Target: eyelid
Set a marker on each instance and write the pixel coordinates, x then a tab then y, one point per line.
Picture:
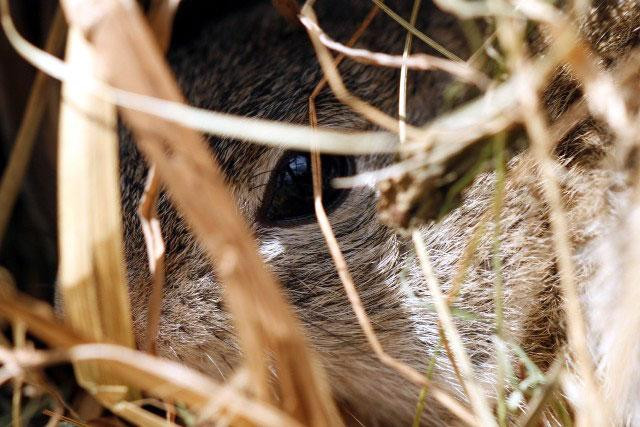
331	169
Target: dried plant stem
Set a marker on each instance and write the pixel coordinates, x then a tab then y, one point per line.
91	268
410	27
16	167
19	337
537	405
478	401
154	242
161	18
496	261
418	61
332	75
536	127
260	131
341	265
160	377
264	322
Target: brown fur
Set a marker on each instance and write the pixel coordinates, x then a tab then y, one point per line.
253	63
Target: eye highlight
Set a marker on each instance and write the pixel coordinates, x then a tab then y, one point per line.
289	195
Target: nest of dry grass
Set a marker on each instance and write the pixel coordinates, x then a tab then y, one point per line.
96	336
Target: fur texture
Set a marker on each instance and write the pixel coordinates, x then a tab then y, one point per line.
253	63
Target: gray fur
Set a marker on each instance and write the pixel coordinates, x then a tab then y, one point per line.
252	63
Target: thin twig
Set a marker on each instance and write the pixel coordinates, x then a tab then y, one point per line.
154	243
267	132
342	268
478	401
16	167
537	129
340	91
417	61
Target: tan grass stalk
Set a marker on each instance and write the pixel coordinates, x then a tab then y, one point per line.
332	75
154	243
540	138
91	267
161	18
160	377
477	398
16	167
422	62
341	266
260	131
602	95
410	27
544	394
264	321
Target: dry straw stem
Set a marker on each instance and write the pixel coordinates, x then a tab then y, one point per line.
264	321
91	266
477	398
260	131
356	303
422	62
332	75
469	386
159	377
23	145
341	265
603	97
161	19
147	212
451	133
539	135
537	405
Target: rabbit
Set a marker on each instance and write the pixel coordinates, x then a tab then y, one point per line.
250	61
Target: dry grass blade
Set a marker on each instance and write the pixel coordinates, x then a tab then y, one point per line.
418	61
332	75
544	394
341	265
183	162
160	377
352	293
161	18
260	131
410	27
91	267
476	396
540	138
603	98
21	152
154	242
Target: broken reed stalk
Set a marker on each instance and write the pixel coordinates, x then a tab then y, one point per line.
341	266
536	127
340	91
475	393
160	377
161	19
151	229
16	167
91	266
421	62
260	131
264	321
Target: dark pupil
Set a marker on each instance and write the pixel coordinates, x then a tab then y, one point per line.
289	194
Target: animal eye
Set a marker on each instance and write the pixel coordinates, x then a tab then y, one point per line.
289	194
